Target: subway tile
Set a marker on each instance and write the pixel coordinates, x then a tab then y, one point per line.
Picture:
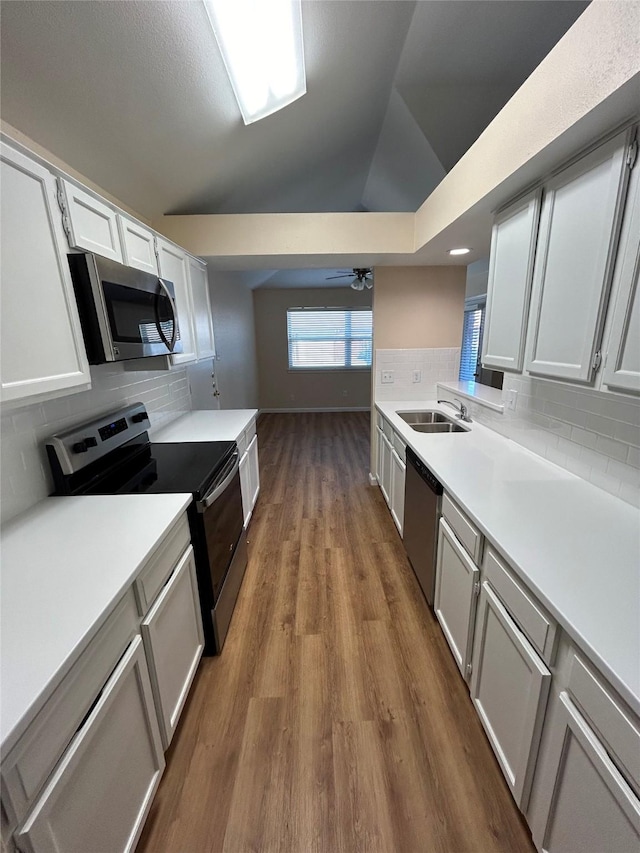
633	457
624	473
584	437
554	455
597	461
578	467
569	448
629	433
614	449
605	481
601	425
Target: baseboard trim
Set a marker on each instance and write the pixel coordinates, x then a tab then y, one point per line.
327	409
373	480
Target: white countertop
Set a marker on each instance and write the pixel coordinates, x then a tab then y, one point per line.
65	563
575	546
207	425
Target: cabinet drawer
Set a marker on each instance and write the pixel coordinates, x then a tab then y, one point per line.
173	640
249	432
161	564
387	429
615	726
539	628
400	447
466	532
29	763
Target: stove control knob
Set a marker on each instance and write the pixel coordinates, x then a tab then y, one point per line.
90	441
139	417
80	447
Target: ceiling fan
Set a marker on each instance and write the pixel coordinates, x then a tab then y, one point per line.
362	277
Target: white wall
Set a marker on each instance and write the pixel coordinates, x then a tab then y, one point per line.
435	364
234	329
283	389
593	434
26	478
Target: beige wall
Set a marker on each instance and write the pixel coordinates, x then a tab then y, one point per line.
233	326
280	388
418	307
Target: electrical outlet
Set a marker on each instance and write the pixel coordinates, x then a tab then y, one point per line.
417	376
387	377
512	397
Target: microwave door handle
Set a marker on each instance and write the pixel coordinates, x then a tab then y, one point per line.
169	344
221	483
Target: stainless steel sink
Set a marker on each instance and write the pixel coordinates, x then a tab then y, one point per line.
430	421
449	427
428	417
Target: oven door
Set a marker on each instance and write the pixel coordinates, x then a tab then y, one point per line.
222	521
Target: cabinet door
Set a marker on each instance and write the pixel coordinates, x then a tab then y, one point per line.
379	456
245	487
91	225
397	490
99	795
254	471
581	803
579	225
622	367
42	349
385	484
202	319
172	262
138	245
173	640
509	687
456	595
513	244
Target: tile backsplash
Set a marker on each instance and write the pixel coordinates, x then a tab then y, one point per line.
25	468
440	364
593	434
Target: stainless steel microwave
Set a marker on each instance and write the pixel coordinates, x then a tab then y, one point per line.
125	313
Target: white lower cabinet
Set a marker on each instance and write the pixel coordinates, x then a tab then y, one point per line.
581	803
249	476
457	584
174	641
509	688
385	457
98	797
398	469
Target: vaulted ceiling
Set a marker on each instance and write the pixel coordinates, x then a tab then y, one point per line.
135	96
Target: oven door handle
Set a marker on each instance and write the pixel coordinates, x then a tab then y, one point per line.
221	483
169	344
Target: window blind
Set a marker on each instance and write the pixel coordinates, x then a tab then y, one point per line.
329	338
471	338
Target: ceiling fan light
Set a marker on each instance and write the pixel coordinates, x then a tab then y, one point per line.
263	52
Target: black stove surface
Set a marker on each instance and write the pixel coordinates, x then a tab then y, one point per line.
163	469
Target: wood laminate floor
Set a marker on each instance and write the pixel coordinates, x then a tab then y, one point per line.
335	718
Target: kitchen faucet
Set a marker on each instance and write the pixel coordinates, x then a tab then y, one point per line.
463	411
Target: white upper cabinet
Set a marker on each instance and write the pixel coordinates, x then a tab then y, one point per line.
41	339
622	367
513	244
202	320
91	225
172	262
579	226
138	245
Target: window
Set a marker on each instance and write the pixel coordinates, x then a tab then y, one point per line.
471	369
329	338
471	343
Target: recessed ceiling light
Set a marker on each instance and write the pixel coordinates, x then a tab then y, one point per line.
261	44
459	251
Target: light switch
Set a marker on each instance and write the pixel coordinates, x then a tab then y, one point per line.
387	377
417	376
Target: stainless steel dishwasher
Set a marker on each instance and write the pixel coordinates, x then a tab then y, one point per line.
422	496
